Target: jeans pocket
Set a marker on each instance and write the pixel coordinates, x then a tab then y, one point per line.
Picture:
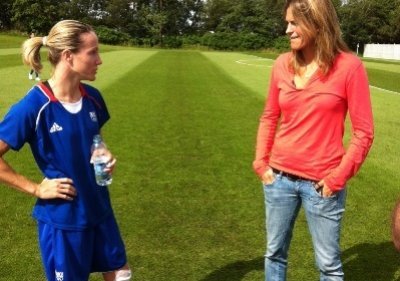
317	194
267	184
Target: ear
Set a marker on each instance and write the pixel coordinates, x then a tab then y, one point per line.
67	56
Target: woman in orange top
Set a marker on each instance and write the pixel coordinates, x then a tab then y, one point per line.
300	156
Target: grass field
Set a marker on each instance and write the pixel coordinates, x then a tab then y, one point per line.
189	206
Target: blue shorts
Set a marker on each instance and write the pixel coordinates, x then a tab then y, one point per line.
73	255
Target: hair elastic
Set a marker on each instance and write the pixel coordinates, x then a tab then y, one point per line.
44	40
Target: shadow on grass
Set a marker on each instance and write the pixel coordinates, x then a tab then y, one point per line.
235	271
378	262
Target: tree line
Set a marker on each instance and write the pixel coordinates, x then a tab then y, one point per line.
219	24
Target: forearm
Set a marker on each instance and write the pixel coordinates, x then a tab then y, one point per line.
263	148
266	133
360	111
15	180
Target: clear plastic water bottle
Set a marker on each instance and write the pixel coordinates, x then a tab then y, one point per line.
103	177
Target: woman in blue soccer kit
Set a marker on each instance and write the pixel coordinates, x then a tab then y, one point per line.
58	118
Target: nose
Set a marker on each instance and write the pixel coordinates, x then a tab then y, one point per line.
99	61
289	28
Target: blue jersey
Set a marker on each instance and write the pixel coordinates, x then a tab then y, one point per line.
61	145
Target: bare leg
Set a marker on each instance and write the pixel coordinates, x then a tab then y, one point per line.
396	225
109	276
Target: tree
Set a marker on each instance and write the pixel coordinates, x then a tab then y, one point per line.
193	22
370	21
395	22
35	15
5	14
215	10
249	16
154	21
255	22
119	14
89	11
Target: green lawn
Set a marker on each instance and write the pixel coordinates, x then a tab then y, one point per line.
189	206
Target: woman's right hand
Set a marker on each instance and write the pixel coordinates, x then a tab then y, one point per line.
56	188
268	177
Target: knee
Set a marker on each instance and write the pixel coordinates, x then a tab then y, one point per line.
123	275
396	226
396	239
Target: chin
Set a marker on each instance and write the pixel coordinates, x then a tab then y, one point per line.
90	78
296	47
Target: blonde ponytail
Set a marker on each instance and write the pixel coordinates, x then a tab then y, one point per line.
31	53
64	35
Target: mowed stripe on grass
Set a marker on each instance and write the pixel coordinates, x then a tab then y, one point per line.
183	132
190	208
185	176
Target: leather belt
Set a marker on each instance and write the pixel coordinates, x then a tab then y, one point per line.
291	176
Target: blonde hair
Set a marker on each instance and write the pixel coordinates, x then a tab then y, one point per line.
64	35
320	23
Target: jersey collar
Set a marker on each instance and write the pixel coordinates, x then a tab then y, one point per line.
46	89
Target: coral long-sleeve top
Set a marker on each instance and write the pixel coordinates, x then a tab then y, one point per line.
301	130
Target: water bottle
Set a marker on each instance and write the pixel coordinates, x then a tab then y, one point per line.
103	177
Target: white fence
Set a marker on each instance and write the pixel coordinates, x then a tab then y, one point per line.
382	51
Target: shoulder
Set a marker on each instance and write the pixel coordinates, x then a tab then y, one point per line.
348	67
90	90
283	58
91	93
21	120
282	64
94	95
349	59
34	100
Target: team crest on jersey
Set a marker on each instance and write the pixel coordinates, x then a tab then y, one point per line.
59	275
93	116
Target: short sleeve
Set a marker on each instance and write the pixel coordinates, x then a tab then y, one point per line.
100	105
18	125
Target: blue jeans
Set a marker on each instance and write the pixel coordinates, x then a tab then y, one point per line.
283	199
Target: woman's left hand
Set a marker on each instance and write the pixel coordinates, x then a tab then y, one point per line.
110	159
323	189
111	162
